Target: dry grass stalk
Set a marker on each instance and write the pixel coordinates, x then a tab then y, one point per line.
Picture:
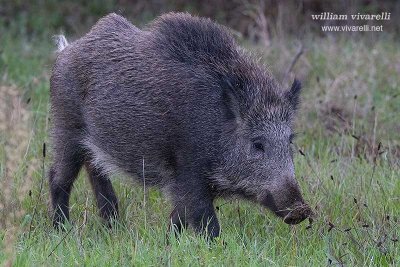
16	132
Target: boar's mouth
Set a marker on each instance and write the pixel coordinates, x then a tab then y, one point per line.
297	213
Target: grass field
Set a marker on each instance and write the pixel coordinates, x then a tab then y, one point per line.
348	169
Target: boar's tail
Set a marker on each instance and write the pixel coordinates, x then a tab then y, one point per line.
61	42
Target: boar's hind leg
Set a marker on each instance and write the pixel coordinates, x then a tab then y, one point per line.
106	199
68	160
194	206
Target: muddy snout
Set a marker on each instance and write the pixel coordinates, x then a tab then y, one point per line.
297	213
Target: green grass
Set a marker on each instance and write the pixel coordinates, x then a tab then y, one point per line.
356	197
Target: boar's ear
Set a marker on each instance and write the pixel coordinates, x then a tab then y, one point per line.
293	94
230	97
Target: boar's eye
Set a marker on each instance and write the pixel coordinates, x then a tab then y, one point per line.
258	146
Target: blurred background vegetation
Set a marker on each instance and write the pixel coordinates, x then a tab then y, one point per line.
348	143
257	20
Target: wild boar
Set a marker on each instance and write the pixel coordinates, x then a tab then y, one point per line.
177	105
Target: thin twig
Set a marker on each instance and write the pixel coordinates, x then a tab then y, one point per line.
62	239
40	190
84	221
238	211
294	61
144	195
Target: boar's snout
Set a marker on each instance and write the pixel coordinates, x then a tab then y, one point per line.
291	214
288	203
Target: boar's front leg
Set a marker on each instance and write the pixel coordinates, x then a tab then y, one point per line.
193	204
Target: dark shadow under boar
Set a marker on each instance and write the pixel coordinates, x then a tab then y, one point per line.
179	106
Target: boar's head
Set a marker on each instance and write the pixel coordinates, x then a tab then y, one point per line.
257	143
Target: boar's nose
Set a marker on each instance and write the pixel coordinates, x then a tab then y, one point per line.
298	213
